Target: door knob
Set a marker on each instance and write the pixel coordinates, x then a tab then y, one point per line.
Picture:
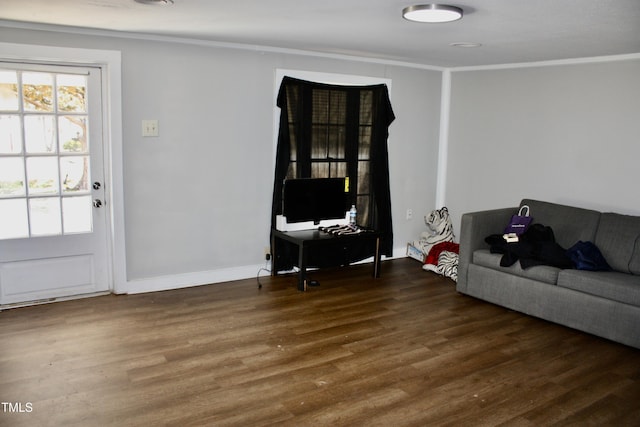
97	203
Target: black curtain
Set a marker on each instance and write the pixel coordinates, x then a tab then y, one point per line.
337	131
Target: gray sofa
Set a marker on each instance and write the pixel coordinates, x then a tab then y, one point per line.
603	303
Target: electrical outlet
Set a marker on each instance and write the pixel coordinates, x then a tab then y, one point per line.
267	253
409	214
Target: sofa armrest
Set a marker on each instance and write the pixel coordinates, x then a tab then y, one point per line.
475	227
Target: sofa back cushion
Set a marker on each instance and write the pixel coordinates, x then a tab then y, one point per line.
618	238
570	224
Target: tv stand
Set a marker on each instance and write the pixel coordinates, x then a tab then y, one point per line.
307	240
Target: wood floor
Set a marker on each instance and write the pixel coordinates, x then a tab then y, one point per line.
402	350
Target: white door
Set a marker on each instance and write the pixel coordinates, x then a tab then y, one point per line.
53	215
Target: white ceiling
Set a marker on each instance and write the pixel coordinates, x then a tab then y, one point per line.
510	31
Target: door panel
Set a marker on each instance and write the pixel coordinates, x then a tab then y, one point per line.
47	278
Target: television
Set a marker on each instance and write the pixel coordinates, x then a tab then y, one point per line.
314	199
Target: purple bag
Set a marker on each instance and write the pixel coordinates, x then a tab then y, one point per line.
519	223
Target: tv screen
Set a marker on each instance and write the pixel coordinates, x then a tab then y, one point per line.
314	199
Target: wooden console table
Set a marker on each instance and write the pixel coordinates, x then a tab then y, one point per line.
308	239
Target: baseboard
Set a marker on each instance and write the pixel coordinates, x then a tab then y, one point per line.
186	280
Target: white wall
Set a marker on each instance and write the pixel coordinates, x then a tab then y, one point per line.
562	133
197	199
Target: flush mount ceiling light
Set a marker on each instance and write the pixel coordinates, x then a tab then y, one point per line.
158	2
465	44
432	13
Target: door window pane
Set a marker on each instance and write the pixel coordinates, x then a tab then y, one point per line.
37	91
44	216
42	174
11	177
72	91
76	214
14	222
39	134
74	174
8	90
10	134
73	131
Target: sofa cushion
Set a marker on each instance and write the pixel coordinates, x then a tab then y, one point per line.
542	273
570	224
612	285
618	238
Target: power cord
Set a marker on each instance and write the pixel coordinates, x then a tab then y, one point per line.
265	268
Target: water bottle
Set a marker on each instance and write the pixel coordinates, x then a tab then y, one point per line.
352	215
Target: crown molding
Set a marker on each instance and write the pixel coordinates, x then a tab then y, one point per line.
551	63
209	43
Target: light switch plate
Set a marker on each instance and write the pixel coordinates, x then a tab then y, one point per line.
150	128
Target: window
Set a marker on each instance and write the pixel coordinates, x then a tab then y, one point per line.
44	152
338	131
336	147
